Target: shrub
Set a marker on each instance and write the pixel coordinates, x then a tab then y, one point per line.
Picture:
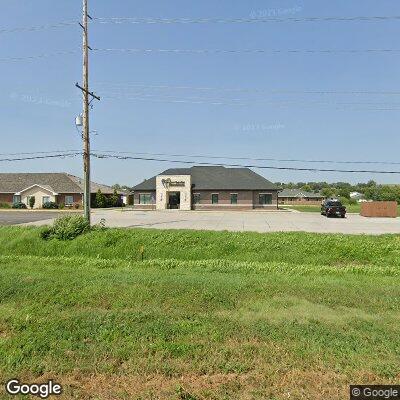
101	200
32	201
50	206
19	205
5	205
115	200
66	228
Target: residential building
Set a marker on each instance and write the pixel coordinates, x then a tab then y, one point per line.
60	188
298	196
206	188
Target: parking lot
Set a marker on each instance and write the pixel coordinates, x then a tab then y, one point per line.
23	217
257	221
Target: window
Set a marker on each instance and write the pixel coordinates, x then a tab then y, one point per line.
145	198
16	199
214	198
265	198
234	198
45	200
196	198
69	200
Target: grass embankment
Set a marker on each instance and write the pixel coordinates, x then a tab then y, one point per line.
352	208
220	315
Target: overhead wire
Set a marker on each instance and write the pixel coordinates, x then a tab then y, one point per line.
119	157
138	20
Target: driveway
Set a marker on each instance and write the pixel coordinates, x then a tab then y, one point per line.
257	221
23	217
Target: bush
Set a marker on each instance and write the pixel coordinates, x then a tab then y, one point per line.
5	205
50	206
32	201
101	200
66	228
19	205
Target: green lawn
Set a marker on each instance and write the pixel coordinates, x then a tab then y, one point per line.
206	315
352	208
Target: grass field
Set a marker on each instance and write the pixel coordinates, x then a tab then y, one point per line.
352	208
205	315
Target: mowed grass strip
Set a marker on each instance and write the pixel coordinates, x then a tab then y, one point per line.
216	326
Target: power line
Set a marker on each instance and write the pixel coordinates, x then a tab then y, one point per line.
241	165
38	56
71	153
250	158
204	51
246	51
38	152
136	20
256	101
41	157
55	25
248	90
212	102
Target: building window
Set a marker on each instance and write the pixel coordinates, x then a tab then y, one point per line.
234	198
196	198
145	198
265	198
16	199
69	200
214	198
45	200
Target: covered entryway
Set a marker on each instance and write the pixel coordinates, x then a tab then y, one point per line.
174	200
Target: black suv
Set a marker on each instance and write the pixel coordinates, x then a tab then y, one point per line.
333	208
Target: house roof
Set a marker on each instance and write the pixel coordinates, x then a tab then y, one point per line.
55	182
298	193
215	178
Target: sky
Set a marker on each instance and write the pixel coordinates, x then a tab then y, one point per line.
252	105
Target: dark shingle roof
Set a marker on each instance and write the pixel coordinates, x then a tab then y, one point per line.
215	178
56	182
298	193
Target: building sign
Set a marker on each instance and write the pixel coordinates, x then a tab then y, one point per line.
167	183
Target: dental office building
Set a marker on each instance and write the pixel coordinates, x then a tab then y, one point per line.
206	188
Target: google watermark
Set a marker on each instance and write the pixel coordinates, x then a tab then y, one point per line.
275	12
40	100
374	392
259	127
42	390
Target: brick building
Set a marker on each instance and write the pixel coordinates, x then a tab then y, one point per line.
206	188
60	188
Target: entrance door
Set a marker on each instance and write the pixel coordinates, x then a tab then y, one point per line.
174	200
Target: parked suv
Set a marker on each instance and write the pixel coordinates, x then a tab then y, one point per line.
333	208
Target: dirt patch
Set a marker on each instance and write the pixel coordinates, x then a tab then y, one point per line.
279	385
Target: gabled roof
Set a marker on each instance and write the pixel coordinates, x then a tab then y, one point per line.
45	187
55	182
298	193
215	178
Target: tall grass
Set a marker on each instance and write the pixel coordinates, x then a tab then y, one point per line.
292	248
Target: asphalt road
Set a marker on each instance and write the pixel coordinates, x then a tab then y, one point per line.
24	217
257	221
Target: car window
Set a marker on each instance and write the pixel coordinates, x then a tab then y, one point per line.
334	204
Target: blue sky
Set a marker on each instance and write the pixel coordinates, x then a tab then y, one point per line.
38	100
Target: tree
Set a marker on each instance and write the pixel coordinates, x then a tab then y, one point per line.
32	201
115	200
327	192
101	200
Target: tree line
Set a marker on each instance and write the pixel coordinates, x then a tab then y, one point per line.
370	190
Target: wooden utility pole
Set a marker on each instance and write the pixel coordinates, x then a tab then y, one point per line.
86	107
86	134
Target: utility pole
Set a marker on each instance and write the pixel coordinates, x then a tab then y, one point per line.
86	106
86	135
